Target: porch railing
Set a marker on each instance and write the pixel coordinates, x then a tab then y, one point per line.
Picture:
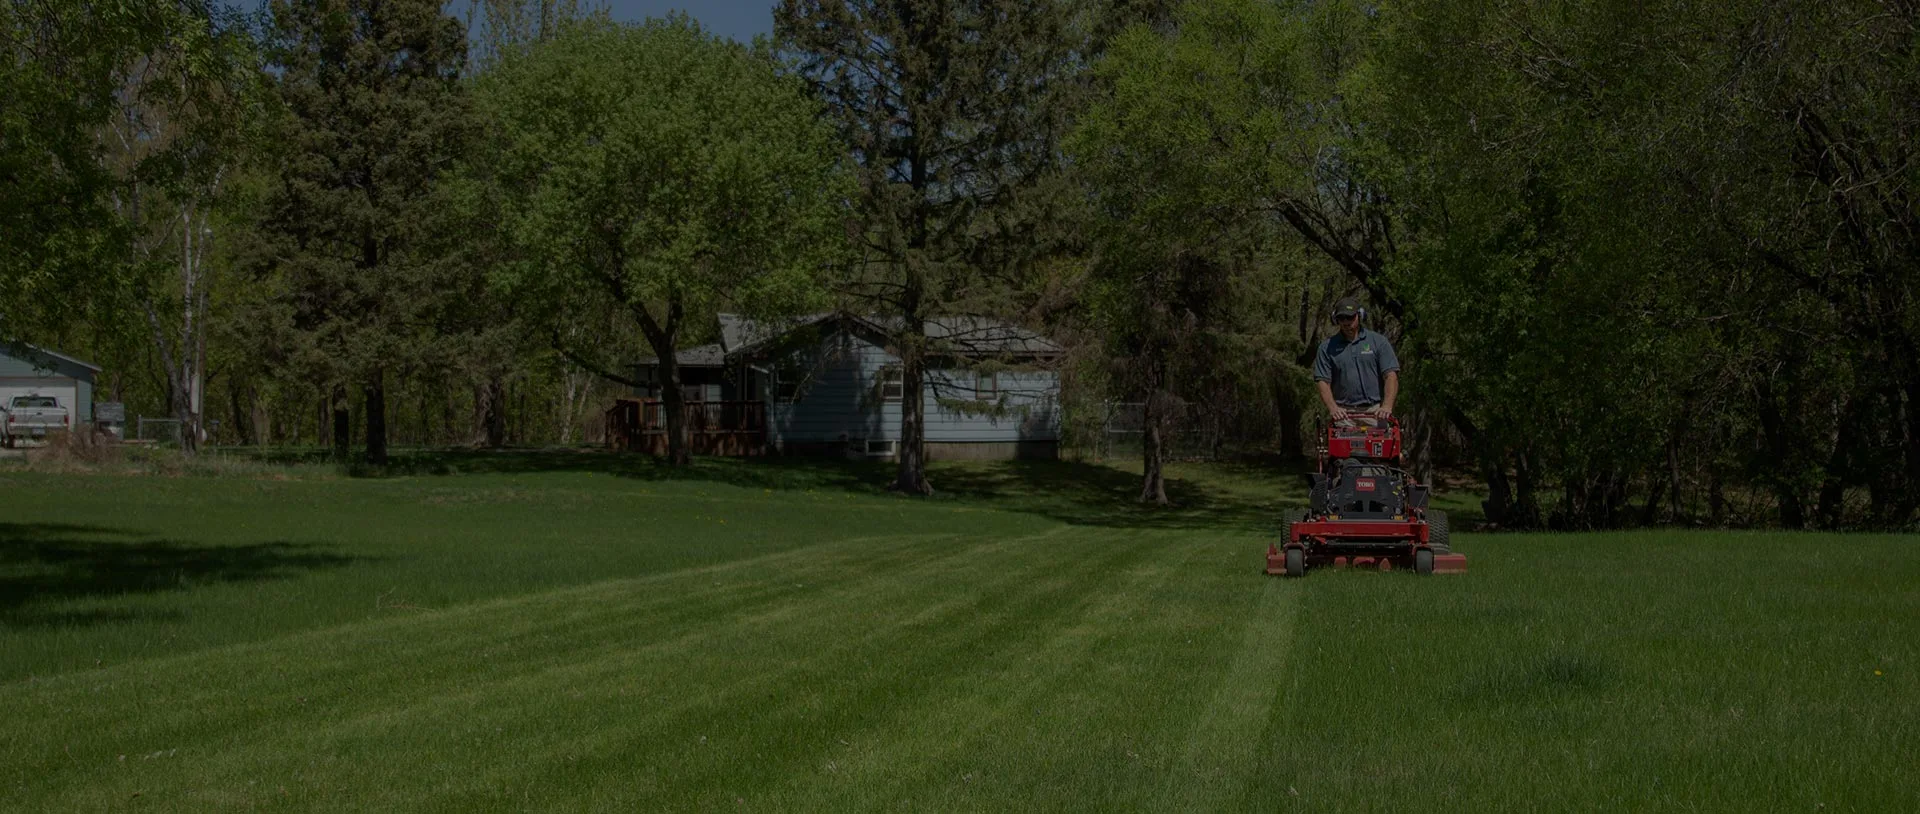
728	428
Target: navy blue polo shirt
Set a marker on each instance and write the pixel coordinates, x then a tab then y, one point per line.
1355	370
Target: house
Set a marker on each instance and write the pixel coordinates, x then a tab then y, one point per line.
29	371
828	383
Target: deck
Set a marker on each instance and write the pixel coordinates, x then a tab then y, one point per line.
721	428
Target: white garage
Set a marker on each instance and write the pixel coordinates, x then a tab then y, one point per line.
29	371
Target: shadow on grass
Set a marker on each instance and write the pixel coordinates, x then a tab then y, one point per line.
1240	495
1237	495
1539	678
1095	494
41	563
767	473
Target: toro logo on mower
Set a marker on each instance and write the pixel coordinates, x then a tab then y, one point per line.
1363	484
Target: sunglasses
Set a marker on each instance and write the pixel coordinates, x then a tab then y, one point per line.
1346	317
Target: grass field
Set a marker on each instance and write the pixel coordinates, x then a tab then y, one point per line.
579	632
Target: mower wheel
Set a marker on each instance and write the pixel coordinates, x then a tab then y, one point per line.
1423	561
1296	562
1437	536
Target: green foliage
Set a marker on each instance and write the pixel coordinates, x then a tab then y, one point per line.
1640	258
660	172
678	164
1594	225
953	113
65	68
375	114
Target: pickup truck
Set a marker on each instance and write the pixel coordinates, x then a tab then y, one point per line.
32	417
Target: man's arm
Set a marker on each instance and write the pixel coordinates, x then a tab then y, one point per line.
1391	391
1389	362
1323	381
1326	398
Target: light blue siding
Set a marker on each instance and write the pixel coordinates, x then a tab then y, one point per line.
842	402
836	400
23	368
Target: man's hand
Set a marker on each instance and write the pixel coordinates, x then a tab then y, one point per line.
1337	413
1383	411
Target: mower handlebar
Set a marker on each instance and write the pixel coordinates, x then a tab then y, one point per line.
1391	420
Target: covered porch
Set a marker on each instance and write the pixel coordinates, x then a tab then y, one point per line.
721	428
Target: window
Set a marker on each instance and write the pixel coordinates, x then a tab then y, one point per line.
878	448
986	386
892	383
788	377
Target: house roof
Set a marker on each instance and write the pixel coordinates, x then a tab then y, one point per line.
20	350
702	356
966	336
972	336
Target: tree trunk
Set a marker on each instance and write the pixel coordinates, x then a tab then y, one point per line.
1833	486
1907	501
342	425
1498	507
1153	480
1525	512
1793	512
494	411
673	405
1675	510
910	475
262	417
242	418
376	394
1293	442
663	336
1716	499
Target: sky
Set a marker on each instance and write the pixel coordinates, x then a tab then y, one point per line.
739	19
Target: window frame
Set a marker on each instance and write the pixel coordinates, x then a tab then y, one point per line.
992	390
788	377
892	378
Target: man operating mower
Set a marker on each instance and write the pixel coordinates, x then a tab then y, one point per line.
1356	371
1364	509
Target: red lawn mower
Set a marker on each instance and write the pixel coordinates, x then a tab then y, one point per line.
1365	511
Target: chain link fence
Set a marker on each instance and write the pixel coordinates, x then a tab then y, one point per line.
166	431
1194	432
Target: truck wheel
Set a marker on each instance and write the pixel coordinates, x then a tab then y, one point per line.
1423	561
1437	532
1296	562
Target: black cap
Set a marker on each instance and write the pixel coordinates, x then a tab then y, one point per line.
1346	307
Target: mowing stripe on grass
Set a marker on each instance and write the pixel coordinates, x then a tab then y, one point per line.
1222	754
898	756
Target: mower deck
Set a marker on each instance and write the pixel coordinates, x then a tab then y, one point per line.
1379	559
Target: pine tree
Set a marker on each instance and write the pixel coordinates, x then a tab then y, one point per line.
952	113
375	114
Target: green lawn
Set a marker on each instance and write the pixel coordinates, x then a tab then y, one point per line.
579	632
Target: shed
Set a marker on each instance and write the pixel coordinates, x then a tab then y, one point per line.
29	371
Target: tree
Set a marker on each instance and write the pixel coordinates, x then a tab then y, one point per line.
663	172
1194	154
188	111
493	341
952	114
376	115
61	66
